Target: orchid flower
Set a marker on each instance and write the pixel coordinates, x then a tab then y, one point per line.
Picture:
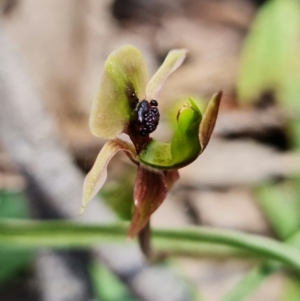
126	104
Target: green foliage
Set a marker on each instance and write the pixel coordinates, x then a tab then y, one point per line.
291	291
12	260
270	58
280	205
270	61
106	286
12	205
250	282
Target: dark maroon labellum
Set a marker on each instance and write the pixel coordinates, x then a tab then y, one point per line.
147	116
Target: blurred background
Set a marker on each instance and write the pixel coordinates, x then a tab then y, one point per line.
51	59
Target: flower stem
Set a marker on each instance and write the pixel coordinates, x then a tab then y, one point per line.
61	234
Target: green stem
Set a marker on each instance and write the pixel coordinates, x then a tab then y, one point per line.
60	234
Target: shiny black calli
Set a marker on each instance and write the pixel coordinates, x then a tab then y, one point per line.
147	116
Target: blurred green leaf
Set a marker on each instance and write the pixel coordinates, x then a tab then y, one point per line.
270	58
12	205
291	290
280	205
12	260
270	61
250	282
107	287
294	135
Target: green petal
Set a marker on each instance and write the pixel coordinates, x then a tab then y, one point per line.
209	120
97	176
150	190
185	146
125	73
173	60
